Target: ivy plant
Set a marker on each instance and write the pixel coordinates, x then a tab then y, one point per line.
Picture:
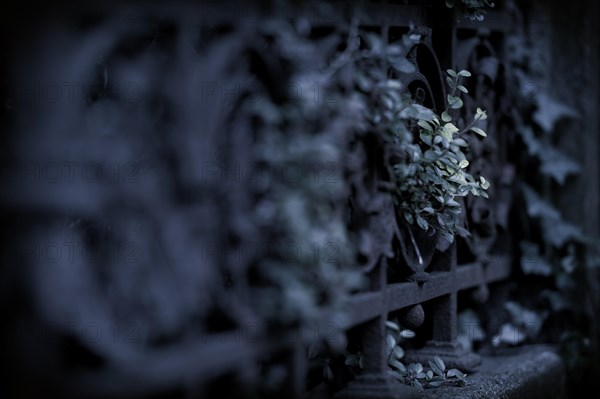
556	257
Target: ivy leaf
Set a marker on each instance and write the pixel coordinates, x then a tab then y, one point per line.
558	232
537	207
509	334
551	111
557	165
528	320
531	260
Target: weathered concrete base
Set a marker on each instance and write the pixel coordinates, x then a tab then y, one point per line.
376	386
531	372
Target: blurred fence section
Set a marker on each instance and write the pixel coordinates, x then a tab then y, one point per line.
193	197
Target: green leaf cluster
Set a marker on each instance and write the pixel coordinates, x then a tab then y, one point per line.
471	9
414	374
432	176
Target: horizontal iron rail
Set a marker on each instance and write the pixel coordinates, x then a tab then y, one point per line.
216	354
365	306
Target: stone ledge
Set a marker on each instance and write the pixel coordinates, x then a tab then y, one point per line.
530	372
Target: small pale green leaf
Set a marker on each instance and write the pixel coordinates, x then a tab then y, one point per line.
391	325
391	342
464	73
424	125
426	138
402	65
480	114
450	128
422	223
436	368
455	373
484	183
397	365
393	84
462	88
439	362
407	334
463	164
397	353
478	131
457	104
451	202
446	117
460	142
451	73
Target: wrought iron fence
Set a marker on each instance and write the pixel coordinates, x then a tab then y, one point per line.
417	281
